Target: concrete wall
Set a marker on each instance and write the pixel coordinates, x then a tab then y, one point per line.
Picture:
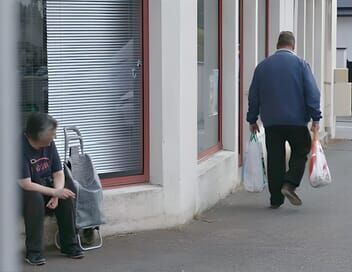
180	185
341	57
344	37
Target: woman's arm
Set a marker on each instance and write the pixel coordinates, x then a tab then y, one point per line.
59	179
62	193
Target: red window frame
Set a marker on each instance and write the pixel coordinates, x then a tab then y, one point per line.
240	85
204	154
109	183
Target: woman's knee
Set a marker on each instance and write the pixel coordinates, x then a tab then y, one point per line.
33	201
66	204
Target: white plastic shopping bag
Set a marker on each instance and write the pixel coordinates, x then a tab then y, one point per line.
254	178
319	173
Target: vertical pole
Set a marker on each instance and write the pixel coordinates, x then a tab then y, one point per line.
8	144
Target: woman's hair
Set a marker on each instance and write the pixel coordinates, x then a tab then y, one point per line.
39	123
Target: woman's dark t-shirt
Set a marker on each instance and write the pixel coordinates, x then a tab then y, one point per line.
39	164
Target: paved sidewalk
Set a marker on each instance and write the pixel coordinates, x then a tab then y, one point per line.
241	234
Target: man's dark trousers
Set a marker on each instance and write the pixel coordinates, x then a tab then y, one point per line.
34	211
299	140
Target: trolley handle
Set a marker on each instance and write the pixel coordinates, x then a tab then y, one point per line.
69	138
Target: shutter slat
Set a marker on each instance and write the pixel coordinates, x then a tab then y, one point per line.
93	48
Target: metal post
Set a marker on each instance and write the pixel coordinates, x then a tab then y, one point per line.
9	132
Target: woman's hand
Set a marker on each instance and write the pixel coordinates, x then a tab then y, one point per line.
64	193
53	202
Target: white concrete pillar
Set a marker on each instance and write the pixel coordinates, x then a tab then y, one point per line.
310	27
333	60
155	92
301	29
287	15
261	30
173	103
250	52
281	19
230	79
9	140
188	106
319	50
274	24
295	16
330	64
250	41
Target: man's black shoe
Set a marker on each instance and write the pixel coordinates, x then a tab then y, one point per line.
274	206
74	253
289	191
35	259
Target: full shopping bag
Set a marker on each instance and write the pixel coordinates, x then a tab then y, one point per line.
254	177
319	173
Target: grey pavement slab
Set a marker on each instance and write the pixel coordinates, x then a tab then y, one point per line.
241	234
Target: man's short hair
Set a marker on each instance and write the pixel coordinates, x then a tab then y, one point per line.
286	38
39	123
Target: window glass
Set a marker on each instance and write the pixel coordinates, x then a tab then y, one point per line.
32	68
208	74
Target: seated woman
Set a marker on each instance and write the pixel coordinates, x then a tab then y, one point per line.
42	181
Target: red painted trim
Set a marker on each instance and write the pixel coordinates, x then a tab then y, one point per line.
128	185
146	126
267	18
220	72
210	151
110	183
241	44
219	145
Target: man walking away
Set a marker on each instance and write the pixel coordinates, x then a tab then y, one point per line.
285	95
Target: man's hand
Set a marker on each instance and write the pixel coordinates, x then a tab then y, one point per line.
315	129
254	128
64	193
53	202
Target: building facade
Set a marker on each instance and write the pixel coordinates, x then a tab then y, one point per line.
344	40
159	90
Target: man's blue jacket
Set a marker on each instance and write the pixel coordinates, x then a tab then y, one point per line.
283	91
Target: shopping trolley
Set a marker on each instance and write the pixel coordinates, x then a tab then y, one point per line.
80	171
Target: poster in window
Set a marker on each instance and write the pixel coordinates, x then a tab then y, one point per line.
213	94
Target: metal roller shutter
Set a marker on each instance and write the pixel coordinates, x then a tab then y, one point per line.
95	79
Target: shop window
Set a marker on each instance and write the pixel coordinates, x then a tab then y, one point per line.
209	76
82	62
